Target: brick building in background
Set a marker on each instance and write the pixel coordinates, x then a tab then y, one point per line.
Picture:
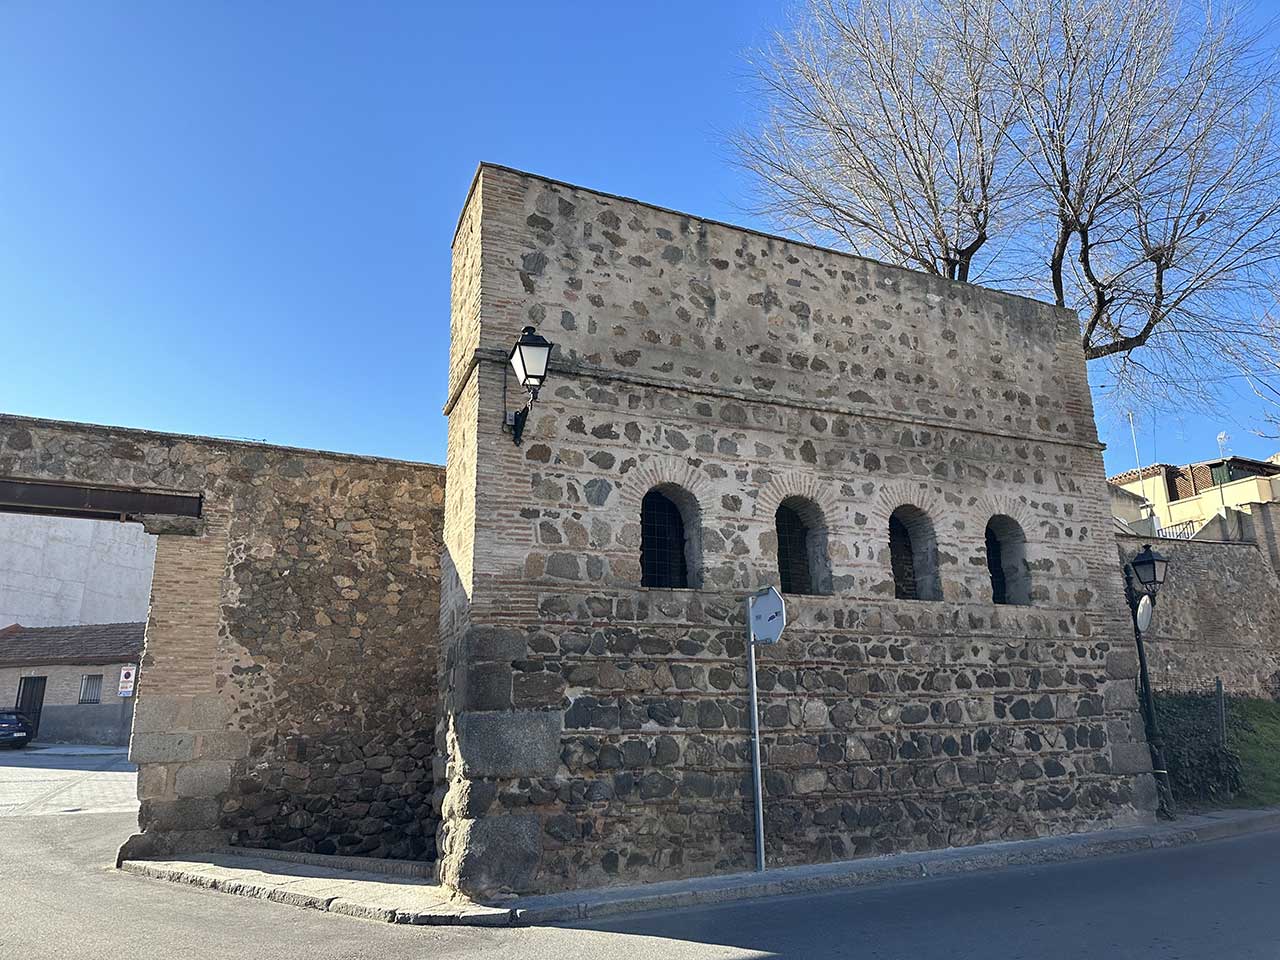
68	680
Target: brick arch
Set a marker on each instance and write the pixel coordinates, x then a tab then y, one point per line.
681	482
903	493
993	504
805	486
659	472
923	511
1018	547
821	515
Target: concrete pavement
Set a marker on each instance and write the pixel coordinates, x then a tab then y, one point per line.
60	896
61	778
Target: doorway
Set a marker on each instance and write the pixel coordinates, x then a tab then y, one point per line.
31	701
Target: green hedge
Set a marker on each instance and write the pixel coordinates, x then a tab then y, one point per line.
1200	768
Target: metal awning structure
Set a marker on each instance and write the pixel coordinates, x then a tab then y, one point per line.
92	502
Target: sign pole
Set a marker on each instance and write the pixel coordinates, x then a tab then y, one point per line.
755	742
766	618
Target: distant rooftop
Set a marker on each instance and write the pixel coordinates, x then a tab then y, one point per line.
1268	467
89	643
1154	470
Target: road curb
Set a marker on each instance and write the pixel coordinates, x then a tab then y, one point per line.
345	901
345	884
879	871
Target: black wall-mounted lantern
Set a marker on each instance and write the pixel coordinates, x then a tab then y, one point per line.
529	357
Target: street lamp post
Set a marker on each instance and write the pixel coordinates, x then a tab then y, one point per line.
1143	576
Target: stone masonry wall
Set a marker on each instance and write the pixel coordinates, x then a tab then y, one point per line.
288	691
1217	615
598	731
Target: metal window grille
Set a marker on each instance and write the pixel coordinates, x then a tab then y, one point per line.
91	688
662	543
901	560
995	566
793	552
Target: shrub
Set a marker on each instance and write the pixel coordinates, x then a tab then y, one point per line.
1200	768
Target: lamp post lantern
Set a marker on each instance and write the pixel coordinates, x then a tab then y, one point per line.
1143	577
1149	569
528	359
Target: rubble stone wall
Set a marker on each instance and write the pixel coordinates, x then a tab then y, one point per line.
1217	615
288	690
598	731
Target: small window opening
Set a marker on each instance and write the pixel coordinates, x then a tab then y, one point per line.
803	564
913	555
1007	561
91	688
663	543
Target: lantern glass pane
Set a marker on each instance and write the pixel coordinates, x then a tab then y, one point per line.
517	364
1145	571
1158	571
535	360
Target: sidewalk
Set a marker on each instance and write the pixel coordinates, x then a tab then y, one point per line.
75	750
392	891
369	889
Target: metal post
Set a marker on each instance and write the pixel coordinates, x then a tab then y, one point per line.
755	745
1222	713
1154	740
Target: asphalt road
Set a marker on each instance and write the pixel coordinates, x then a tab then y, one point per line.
60	897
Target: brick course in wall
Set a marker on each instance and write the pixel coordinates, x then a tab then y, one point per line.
288	694
595	732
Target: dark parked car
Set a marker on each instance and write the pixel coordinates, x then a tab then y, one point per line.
15	729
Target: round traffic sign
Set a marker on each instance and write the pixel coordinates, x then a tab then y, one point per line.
1144	613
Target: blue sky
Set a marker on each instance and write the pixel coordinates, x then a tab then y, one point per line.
234	219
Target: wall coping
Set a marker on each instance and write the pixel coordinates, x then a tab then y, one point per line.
42	423
752	231
1155	541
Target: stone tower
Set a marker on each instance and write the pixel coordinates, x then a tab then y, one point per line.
900	450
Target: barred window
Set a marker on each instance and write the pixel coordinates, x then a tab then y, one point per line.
91	688
1007	561
663	562
793	559
913	555
904	574
803	564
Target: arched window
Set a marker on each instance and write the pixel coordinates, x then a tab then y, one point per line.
1007	561
803	564
913	555
669	538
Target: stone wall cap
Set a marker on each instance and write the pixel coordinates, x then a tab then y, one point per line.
737	228
42	423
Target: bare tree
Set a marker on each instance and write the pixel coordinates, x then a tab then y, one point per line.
886	133
1118	156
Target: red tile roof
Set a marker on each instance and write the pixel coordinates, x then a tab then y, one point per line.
1154	470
